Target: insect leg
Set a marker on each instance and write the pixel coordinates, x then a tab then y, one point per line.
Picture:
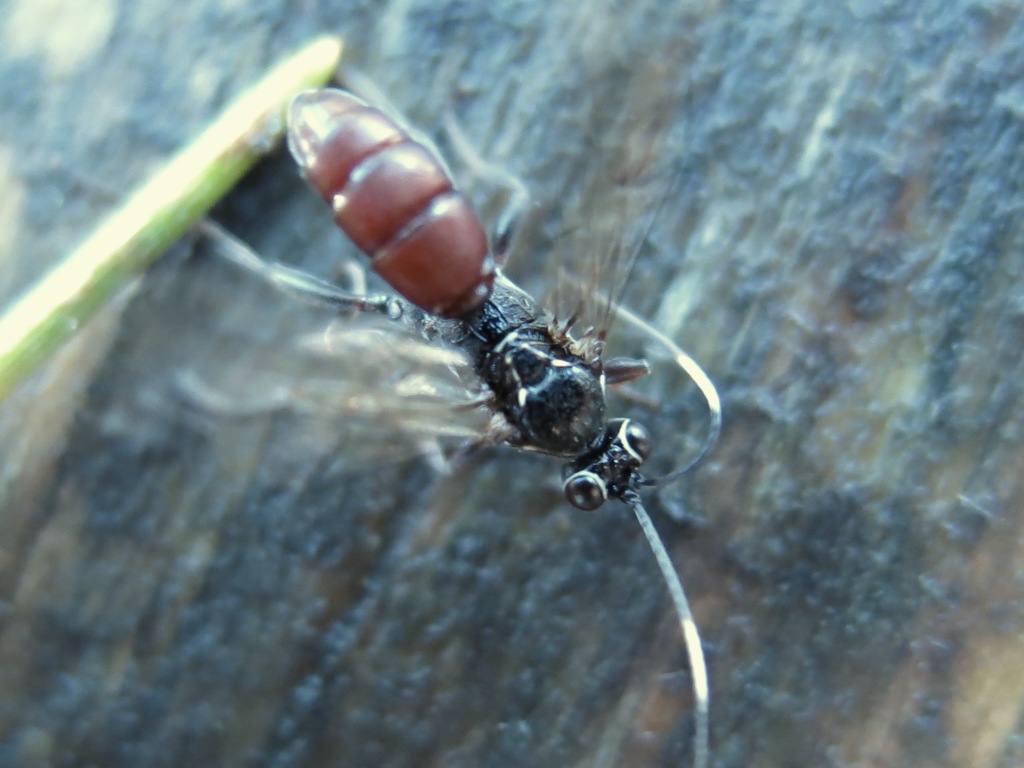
500	433
206	401
296	282
620	370
517	201
316	291
362	86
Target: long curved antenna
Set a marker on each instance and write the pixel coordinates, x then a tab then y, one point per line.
691	637
703	382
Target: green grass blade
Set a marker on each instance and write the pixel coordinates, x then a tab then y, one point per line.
156	215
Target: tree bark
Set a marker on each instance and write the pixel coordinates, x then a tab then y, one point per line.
826	202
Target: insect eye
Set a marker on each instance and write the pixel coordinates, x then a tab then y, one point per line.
529	366
585	490
638	437
634	437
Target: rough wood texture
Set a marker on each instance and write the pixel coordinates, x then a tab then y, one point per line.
842	250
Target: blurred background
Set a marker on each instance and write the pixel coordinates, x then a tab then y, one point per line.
837	239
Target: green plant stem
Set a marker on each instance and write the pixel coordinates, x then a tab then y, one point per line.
156	215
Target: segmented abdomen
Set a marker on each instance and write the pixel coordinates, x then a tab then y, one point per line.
394	199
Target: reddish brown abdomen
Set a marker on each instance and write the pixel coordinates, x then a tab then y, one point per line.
394	199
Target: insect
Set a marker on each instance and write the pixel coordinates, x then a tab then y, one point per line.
395	198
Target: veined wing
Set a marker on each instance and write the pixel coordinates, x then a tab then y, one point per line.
609	215
366	377
393	378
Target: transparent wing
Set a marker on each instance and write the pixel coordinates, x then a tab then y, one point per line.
612	221
361	380
393	378
611	211
591	266
365	376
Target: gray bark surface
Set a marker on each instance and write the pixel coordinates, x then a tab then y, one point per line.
840	246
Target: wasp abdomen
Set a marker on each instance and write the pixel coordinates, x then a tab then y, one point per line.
394	199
